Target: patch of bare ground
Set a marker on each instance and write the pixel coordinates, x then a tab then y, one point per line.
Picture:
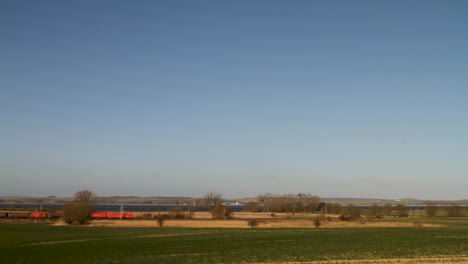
435	259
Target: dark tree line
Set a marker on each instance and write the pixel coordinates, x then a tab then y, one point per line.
285	203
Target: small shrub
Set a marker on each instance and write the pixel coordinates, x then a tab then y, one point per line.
252	222
317	222
179	216
344	217
161	220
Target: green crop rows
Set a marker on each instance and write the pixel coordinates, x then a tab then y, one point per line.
32	243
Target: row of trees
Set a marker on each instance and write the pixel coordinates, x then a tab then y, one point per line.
452	210
80	208
401	210
374	210
284	203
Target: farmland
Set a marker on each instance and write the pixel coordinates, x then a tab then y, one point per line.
35	243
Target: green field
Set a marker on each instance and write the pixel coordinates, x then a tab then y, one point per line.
34	243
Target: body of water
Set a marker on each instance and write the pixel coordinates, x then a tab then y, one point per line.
148	207
110	207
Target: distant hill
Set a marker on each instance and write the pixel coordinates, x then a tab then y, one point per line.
185	199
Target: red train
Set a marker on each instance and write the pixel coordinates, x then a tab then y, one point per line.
38	215
105	215
45	215
20	214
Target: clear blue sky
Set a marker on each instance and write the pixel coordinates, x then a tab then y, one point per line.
149	98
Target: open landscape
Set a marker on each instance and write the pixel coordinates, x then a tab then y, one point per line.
226	131
111	242
286	228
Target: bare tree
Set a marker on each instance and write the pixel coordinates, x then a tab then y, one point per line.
85	196
79	210
193	205
354	212
160	220
333	208
221	212
176	211
264	201
213	200
317	222
311	203
350	213
453	210
402	210
431	209
388	209
251	207
374	210
288	203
